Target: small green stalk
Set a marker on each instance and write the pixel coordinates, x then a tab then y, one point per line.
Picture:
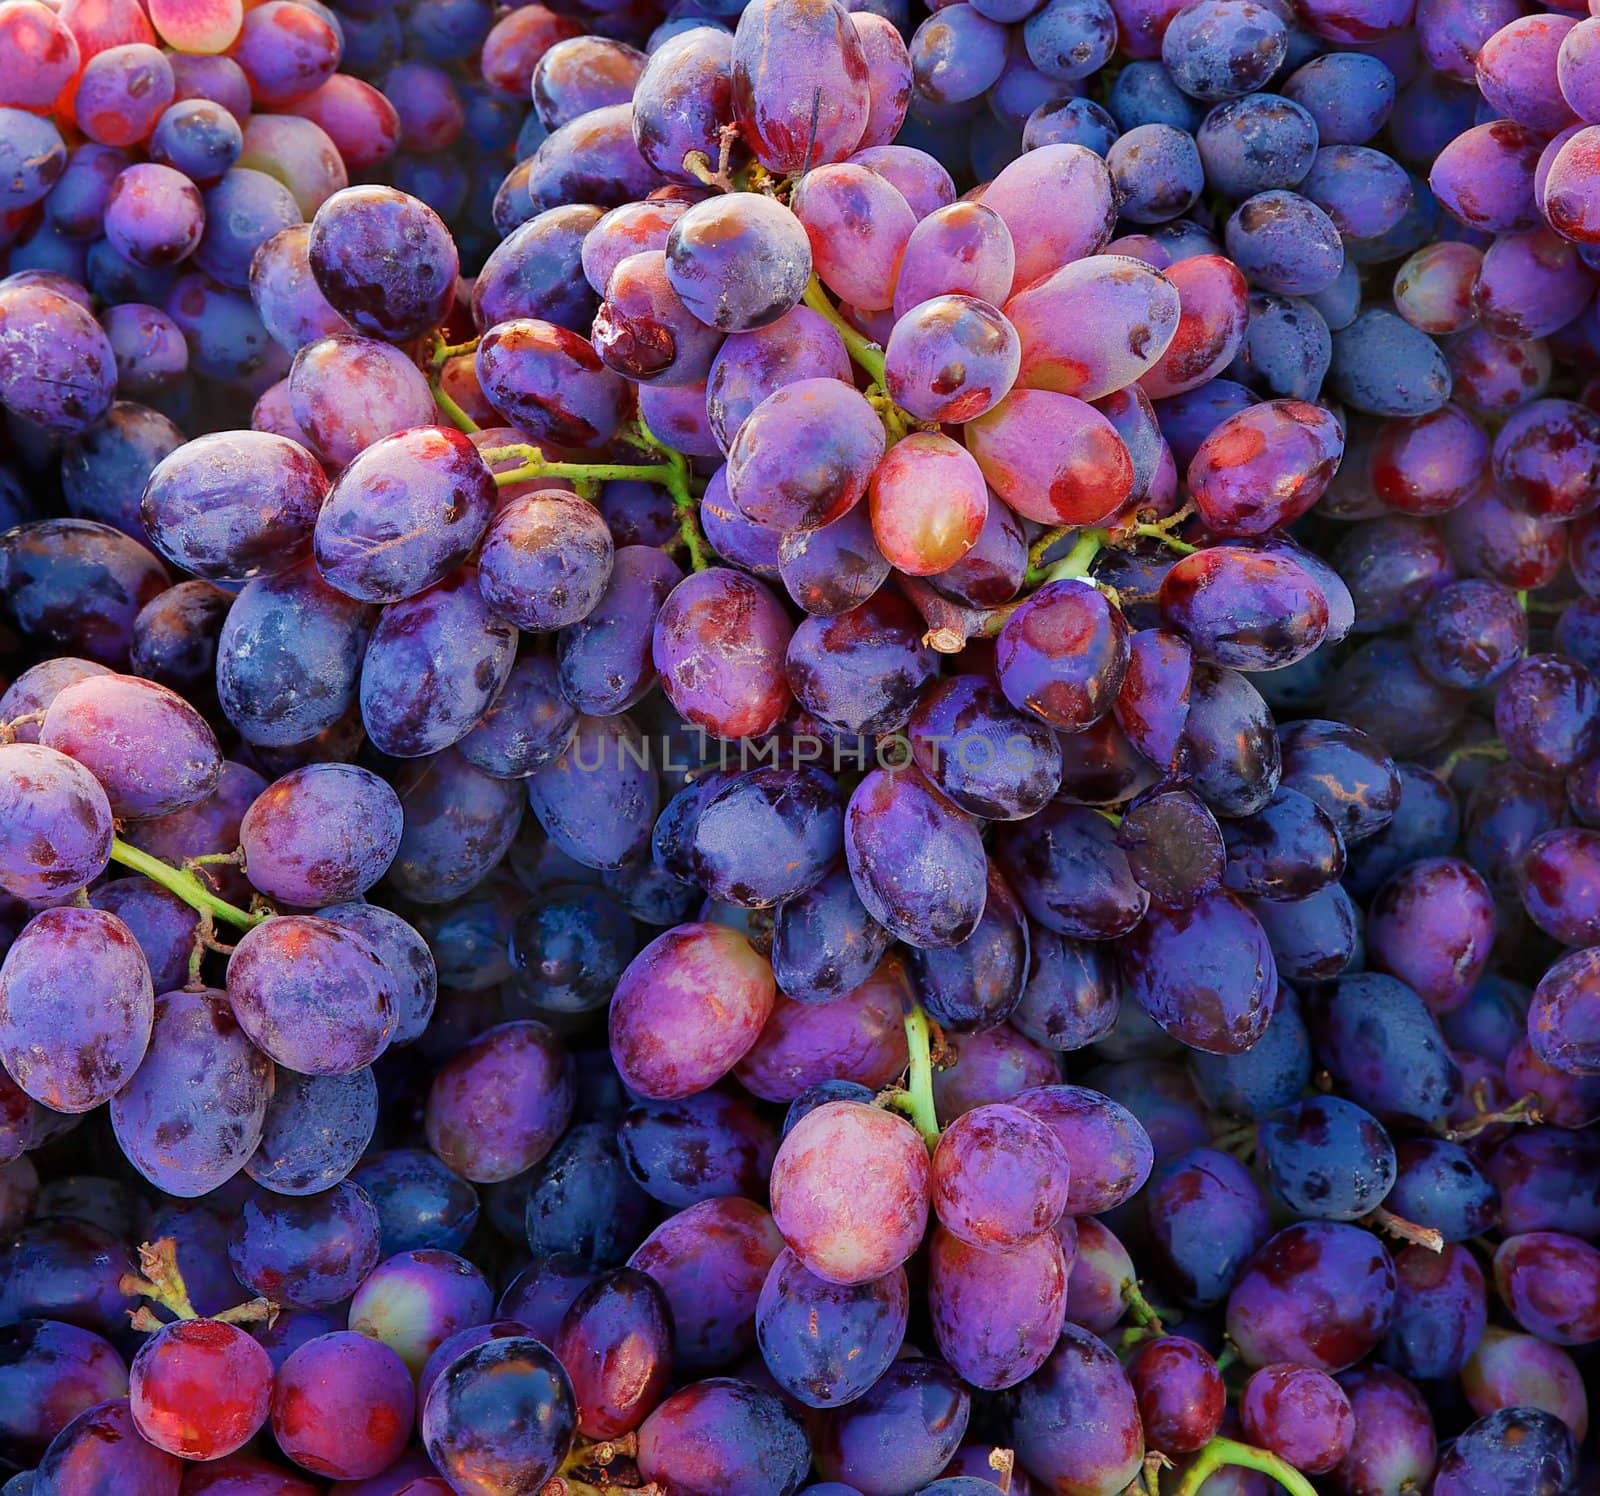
918	1103
862	349
1140	1310
187	887
1074	566
1220	1452
533	464
160	1280
1166	537
678	484
1490	748
458	417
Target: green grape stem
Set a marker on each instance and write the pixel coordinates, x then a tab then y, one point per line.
1220	1452
918	1103
862	349
187	887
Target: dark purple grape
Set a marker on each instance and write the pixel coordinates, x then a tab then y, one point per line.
56	820
766	836
861	671
597	800
384	260
307	1252
917	862
1425	823
683	100
1063	655
433	667
535	271
1070	873
1207	1217
1344	771
976	749
605	656
101	1451
549	383
1547	713
824	1343
67	1270
1384	1049
1440	1309
977	982
1328	1159
322	834
421	1205
835	568
903	1430
51	1372
1232	750
315	1128
1246	609
1432	925
1287	850
104	472
824	943
1270	1074
1075	1423
697	1148
1515	1449
57	368
584	1201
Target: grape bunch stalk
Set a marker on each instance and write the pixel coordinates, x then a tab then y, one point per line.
799	747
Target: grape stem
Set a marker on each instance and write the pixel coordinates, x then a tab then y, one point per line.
1171	541
1140	1308
917	1101
1404	1230
1074	566
458	417
1490	748
1220	1452
162	1283
187	887
862	349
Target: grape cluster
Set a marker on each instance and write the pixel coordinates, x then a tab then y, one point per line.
620	628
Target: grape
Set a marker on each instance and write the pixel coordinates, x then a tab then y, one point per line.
532	272
314	995
99	1452
1547	458
521	1060
987	758
824	943
961	249
951	359
668	1037
343	1405
52	1372
710	1261
800	86
615	1343
122	92
1207	1217
699	1148
718	640
825	1343
1180	1393
923	181
859	1037
1000	1178
41	54
1287	850
314	1130
858	224
56	817
347	392
199	1388
1109	1150
597	799
76	1007
1511	1447
1440	1311
1548	1281
433	667
420	1203
1301	1415
1508	1370
1076	1422
459	823
996	1316
1345	772
934	899
1328	1159
683	98
57	367
753	364
905	1428
854	1238
189	1138
834	569
861	671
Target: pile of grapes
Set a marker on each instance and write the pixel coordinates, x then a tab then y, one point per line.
775	748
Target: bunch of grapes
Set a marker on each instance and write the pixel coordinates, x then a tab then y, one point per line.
620	628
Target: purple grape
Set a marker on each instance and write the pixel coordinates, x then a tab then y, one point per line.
1440	1310
723	1435
904	1429
522	1061
1076	1422
996	1316
76	1007
342	1405
683	100
347	392
56	819
711	1261
314	995
307	1252
321	835
1513	1448
1108	1149
57	367
101	1450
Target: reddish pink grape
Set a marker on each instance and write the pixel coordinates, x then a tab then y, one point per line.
1551	1283
922	180
1433	290
962	249
1063	654
858	224
800	86
1509	1370
1547	458
199	1388
1570	201
1052	458
861	1233
40	55
889	77
645	332
720	641
550	383
615	1343
670	1036
362	124
1000	1177
343	1406
1531	284
928	504
1059	205
1299	1414
1484	178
